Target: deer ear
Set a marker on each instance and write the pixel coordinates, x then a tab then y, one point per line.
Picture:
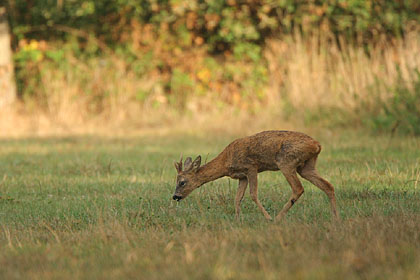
188	164
197	162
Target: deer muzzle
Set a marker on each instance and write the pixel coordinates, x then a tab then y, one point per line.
177	198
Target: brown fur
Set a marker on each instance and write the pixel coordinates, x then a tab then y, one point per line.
288	151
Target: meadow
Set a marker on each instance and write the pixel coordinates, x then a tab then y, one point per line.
90	207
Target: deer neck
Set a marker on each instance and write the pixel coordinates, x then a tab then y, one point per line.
211	171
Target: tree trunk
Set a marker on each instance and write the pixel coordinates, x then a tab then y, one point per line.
7	82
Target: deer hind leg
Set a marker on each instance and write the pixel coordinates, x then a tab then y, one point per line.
309	172
243	183
297	190
253	189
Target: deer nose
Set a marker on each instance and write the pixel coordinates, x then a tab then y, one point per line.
177	198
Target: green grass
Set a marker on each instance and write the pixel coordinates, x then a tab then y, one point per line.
101	208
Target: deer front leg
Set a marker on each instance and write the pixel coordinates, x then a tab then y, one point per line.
243	183
253	189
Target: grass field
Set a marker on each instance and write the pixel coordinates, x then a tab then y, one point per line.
101	208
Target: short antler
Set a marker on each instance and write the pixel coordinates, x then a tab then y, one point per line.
178	165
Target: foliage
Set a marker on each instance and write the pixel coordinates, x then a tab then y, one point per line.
219	24
171	53
401	110
181	86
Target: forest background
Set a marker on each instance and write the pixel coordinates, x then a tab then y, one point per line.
153	63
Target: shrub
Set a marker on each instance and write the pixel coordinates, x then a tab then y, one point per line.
401	110
219	24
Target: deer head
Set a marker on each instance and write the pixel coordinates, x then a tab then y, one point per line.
187	179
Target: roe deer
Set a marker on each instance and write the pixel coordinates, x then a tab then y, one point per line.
244	158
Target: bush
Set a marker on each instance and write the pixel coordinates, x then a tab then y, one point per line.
399	112
219	24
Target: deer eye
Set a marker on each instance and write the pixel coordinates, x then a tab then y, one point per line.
182	183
